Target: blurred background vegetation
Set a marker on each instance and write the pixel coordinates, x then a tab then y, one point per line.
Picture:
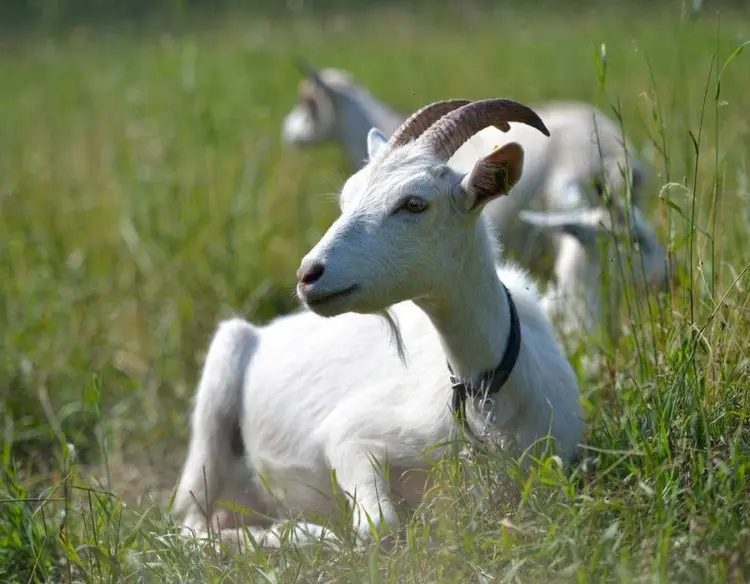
56	15
145	194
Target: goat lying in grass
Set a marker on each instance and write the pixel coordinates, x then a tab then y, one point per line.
323	390
585	155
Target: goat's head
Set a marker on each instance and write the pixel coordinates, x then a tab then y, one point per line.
612	233
313	117
408	220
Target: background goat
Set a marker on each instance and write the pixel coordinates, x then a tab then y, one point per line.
580	300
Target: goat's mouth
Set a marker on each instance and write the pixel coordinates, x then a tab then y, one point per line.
326	300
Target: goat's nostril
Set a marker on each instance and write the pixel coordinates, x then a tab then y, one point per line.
311	273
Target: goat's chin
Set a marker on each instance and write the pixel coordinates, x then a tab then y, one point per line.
331	303
353	299
329	309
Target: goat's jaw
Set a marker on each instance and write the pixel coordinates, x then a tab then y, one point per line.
326	302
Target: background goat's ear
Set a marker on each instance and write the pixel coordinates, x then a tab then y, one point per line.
375	141
576	223
492	176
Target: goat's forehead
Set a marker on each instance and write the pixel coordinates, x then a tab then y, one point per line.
388	177
414	157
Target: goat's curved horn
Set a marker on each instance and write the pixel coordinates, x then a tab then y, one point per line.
450	132
419	121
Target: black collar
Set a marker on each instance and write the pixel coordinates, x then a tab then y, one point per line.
490	382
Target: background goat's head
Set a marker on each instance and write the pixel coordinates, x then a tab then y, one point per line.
410	223
312	119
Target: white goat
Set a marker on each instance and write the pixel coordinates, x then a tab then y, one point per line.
585	155
307	394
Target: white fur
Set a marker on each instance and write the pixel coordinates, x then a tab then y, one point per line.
314	393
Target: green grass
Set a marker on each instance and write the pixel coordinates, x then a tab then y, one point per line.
145	195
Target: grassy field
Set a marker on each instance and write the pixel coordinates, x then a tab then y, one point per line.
145	194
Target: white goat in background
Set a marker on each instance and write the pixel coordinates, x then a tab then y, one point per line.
323	390
590	238
585	155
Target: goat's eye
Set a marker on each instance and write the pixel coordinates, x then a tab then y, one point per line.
414	205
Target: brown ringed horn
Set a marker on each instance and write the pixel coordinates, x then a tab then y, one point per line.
451	131
415	125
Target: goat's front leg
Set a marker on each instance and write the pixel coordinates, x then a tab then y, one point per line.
363	482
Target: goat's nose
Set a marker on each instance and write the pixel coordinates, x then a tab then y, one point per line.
310	272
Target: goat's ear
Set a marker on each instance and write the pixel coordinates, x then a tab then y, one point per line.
492	176
375	141
578	223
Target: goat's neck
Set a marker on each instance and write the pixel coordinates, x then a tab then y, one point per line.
471	315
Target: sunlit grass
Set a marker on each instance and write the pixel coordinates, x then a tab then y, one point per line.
144	195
